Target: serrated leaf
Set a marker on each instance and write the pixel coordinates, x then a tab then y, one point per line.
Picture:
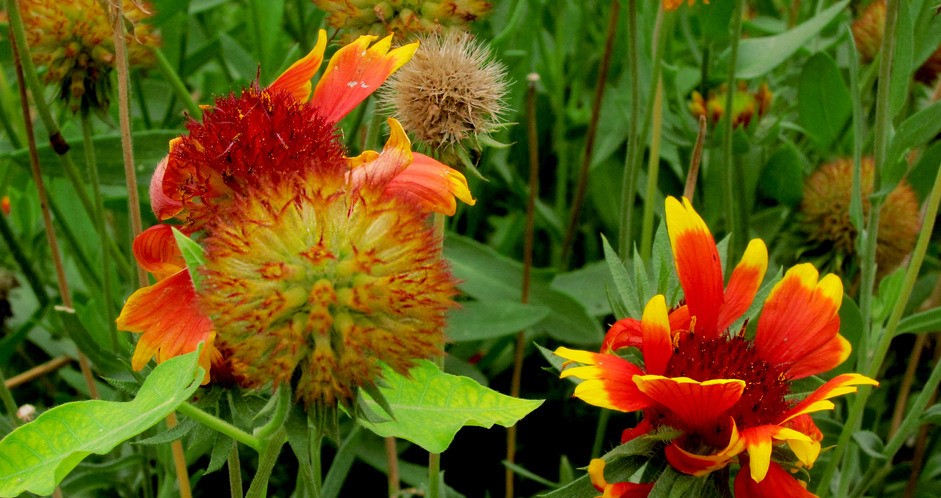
757	56
193	254
37	456
478	320
430	406
622	281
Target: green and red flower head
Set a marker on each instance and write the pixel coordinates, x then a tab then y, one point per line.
263	183
730	396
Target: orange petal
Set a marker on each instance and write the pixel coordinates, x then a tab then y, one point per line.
700	405
806	452
657	346
296	79
700	465
354	72
624	333
618	489
163	205
680	319
758	442
744	283
606	380
377	170
837	386
778	483
642	428
800	323
156	251
697	264
168	315
431	184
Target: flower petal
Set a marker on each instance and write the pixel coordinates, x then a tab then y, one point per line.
156	251
799	325
618	489
700	405
376	170
700	465
643	427
433	185
657	345
778	483
356	71
163	205
758	442
168	315
744	283
296	79
697	265
819	399
805	451
606	380
625	332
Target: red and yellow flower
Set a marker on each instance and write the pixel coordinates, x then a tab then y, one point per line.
322	253
730	396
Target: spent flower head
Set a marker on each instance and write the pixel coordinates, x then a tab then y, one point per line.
450	96
825	216
315	264
746	105
728	397
72	43
405	19
867	32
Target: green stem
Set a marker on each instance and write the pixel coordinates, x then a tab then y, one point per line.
342	462
653	169
220	426
106	288
8	402
26	266
267	458
6	113
374	131
733	224
235	472
316	465
603	416
434	471
176	84
629	180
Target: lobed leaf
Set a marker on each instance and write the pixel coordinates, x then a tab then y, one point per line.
37	456
430	406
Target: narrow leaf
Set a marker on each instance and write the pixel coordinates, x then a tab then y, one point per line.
924	321
193	254
917	130
37	456
430	406
622	280
477	320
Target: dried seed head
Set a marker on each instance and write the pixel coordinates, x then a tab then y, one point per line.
867	31
450	94
72	42
826	221
406	19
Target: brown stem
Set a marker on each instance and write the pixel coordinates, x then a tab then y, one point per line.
582	185
528	242
393	457
694	161
38	371
44	207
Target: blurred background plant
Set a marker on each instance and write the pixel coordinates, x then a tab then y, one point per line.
601	100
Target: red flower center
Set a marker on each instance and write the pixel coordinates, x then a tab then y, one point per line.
725	357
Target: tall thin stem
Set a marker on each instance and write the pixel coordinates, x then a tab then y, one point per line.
9	404
629	180
64	291
528	242
653	170
733	224
582	185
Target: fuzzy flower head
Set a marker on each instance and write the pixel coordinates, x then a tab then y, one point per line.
450	95
72	43
746	105
675	4
730	397
826	219
404	19
867	32
315	264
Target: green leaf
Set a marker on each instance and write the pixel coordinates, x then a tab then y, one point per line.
430	406
924	321
193	254
870	443
757	56
491	277
37	456
823	102
917	130
106	361
477	320
932	415
782	178
622	281
902	61
672	484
